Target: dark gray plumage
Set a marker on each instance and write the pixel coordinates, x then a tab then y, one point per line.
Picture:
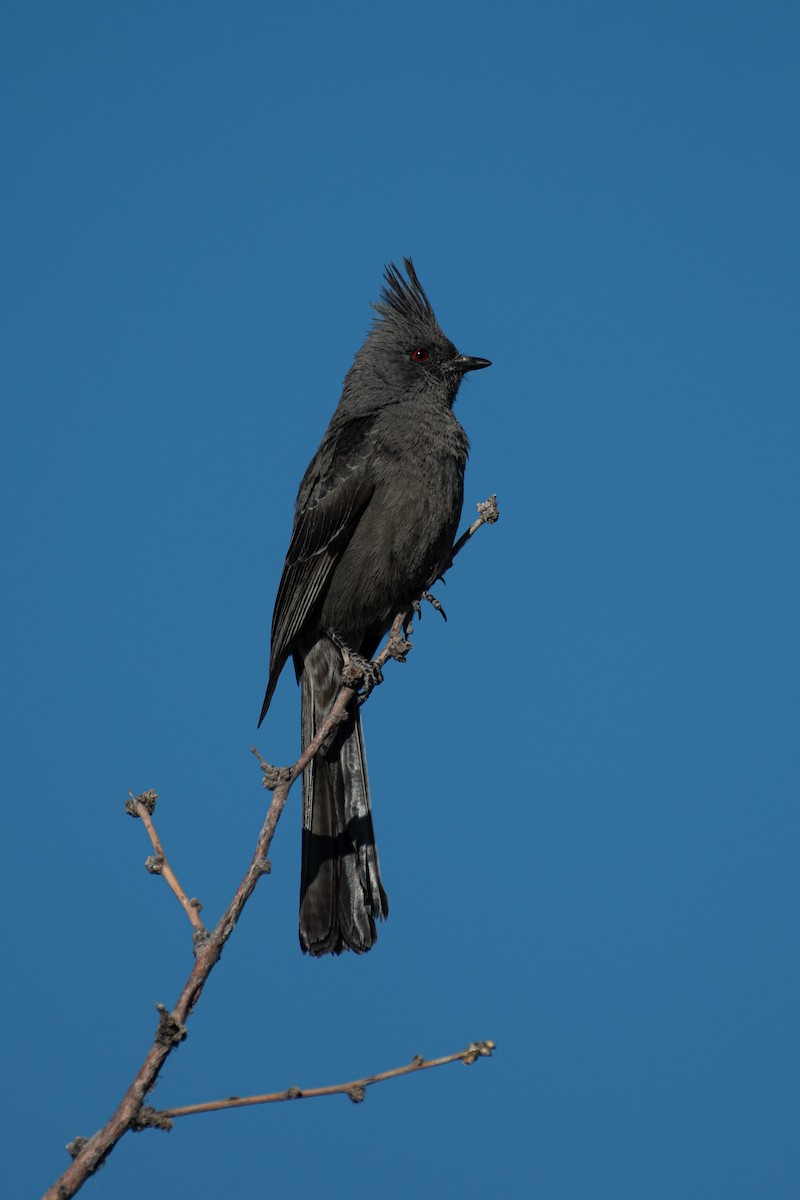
374	525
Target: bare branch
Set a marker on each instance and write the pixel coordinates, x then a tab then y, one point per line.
488	514
88	1154
142	807
280	779
355	1089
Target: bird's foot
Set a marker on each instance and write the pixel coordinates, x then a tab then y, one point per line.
434	604
357	671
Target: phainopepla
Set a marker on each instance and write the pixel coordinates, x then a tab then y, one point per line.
374	526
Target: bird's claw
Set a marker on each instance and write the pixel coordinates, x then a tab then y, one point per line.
434	603
370	675
357	671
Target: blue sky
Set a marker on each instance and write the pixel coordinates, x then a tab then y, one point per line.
586	783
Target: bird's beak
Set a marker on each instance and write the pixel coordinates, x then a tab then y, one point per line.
462	363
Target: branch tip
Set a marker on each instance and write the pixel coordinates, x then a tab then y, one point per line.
146	799
476	1050
488	510
488	514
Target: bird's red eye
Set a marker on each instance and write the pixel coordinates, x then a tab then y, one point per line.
420	355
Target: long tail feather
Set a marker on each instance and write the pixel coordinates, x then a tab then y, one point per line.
341	894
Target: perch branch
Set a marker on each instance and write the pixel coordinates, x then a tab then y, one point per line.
88	1154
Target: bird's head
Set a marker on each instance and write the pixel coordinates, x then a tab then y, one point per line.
406	348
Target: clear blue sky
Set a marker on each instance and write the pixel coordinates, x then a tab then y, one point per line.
586	783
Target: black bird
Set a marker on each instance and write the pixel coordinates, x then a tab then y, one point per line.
374	525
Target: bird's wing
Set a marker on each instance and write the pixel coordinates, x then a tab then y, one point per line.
335	490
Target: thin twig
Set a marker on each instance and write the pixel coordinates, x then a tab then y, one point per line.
355	1089
142	807
488	514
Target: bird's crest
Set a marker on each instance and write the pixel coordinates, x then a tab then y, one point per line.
404	297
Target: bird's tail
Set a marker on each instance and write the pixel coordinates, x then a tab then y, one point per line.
341	894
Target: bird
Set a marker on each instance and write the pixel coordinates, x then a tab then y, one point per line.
374	525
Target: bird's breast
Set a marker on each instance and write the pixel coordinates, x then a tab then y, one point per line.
403	538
